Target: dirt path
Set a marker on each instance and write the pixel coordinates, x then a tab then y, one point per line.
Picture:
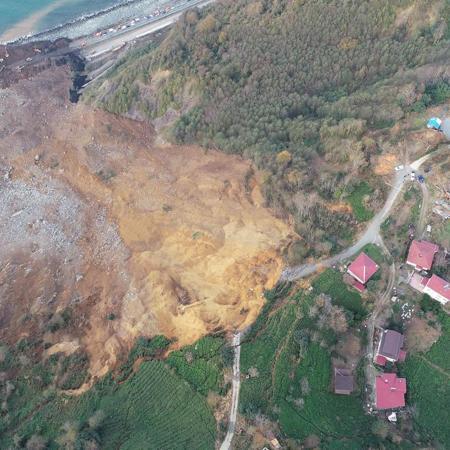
235	394
375	320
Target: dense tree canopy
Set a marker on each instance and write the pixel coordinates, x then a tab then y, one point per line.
308	78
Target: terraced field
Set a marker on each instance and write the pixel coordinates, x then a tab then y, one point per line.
154	409
293	381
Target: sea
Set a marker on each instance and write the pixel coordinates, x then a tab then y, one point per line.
69	18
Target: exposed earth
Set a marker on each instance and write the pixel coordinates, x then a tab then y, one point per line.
134	236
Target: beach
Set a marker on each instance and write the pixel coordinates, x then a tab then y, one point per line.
74	18
28	25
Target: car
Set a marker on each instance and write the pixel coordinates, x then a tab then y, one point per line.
420	179
400	167
412	176
29	59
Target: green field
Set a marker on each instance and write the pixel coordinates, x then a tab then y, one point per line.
154	408
374	252
285	355
330	282
201	364
428	378
356	200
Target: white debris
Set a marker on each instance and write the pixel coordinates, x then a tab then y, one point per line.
392	417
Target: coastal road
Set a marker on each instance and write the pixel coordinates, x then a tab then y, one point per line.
93	47
369	236
226	444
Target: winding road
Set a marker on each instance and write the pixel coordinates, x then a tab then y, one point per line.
369	236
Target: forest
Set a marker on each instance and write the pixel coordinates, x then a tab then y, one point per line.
303	88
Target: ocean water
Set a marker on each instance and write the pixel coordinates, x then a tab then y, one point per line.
13	12
60	12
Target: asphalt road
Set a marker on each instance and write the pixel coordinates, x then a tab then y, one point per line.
93	47
235	393
369	236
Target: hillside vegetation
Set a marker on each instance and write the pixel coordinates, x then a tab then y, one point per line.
153	407
303	88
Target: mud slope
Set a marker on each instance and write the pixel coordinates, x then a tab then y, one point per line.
96	216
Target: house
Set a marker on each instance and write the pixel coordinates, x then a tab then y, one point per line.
362	269
390	391
343	381
438	289
421	254
390	347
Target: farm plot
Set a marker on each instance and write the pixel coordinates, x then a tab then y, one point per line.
201	364
153	409
330	282
289	379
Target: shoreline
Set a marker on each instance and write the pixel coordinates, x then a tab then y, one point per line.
30	37
26	26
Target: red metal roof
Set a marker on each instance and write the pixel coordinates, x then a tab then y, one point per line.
421	254
439	285
380	360
390	391
357	285
362	268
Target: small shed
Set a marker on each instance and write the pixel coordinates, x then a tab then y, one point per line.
343	381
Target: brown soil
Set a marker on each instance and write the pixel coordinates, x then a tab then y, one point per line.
420	336
100	218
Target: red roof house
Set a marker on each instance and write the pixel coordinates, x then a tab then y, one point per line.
421	254
438	288
362	269
390	391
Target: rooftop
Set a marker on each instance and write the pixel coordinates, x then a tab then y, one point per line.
421	254
343	380
390	391
439	285
363	268
390	344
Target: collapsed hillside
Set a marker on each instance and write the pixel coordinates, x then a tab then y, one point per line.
126	237
309	90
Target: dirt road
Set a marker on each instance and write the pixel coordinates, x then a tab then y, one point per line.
375	320
235	395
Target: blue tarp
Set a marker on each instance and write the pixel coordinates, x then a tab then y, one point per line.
434	123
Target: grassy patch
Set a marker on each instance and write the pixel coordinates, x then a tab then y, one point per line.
356	200
374	252
201	364
330	282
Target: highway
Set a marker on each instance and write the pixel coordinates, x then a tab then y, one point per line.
92	47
